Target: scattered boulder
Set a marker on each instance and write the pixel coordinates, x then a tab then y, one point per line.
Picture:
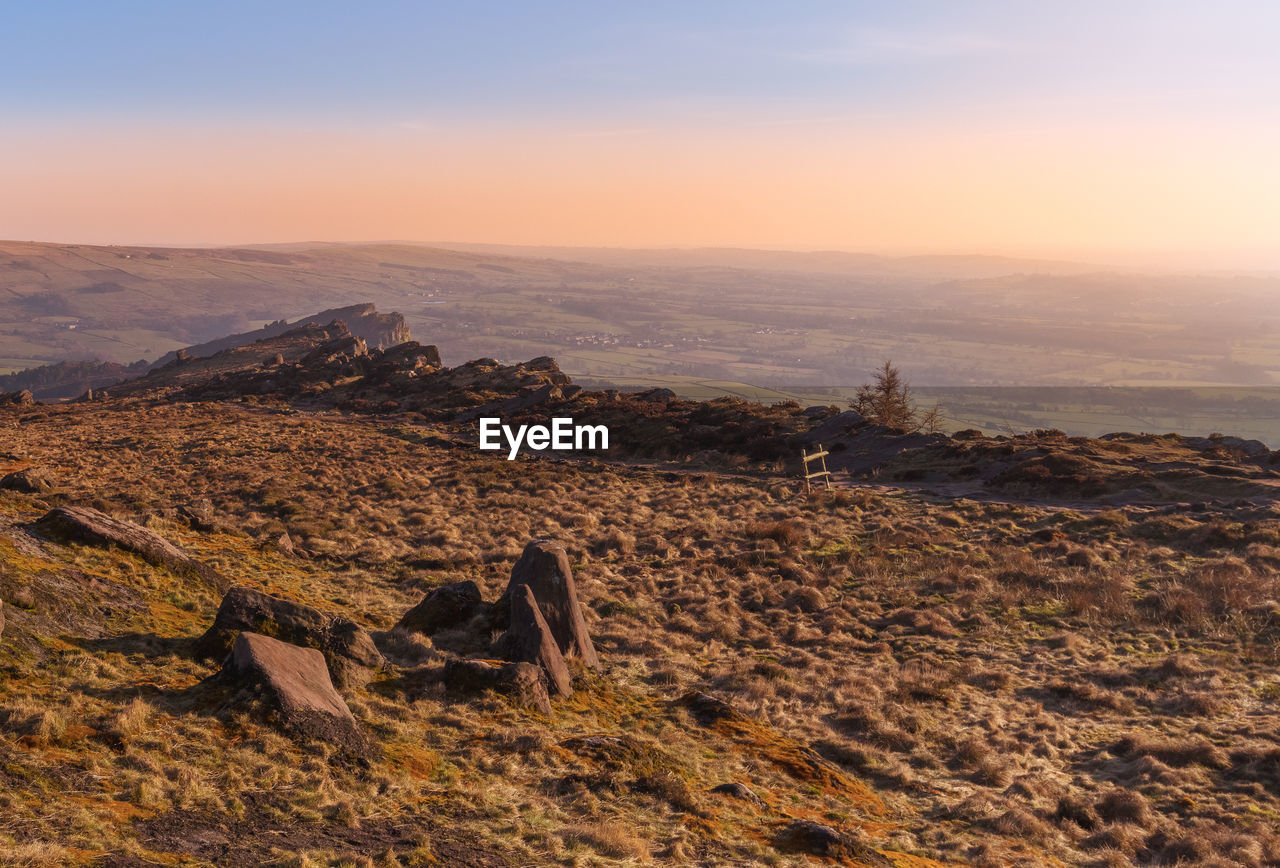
346	647
22	398
295	684
445	607
30	480
736	790
83	525
707	710
1084	557
833	427
284	545
544	569
656	396
530	640
200	515
523	682
818	839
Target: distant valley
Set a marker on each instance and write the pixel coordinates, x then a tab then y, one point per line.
770	325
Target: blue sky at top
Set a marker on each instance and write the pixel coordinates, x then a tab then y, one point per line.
398	61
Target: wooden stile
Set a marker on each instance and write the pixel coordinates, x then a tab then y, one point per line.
821	457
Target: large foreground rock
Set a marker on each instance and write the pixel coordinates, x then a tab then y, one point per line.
446	607
523	682
346	647
544	569
295	684
529	639
84	525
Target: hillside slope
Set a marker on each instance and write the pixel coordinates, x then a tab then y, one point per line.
981	683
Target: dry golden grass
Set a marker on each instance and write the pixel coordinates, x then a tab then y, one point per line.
1013	683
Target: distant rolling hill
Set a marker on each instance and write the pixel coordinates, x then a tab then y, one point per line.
777	320
121	304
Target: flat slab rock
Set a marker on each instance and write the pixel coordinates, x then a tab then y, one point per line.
295	683
83	525
345	646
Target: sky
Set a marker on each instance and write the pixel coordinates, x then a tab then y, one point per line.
1137	132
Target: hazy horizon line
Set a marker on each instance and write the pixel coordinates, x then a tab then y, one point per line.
1126	261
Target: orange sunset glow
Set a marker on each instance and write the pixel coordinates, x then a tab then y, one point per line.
1117	190
1128	135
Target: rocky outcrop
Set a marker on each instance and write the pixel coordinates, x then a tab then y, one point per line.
66	380
363	320
1	617
544	569
83	525
446	607
529	639
294	683
337	351
656	396
522	682
410	356
346	647
833	427
1247	448
530	396
31	480
22	398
